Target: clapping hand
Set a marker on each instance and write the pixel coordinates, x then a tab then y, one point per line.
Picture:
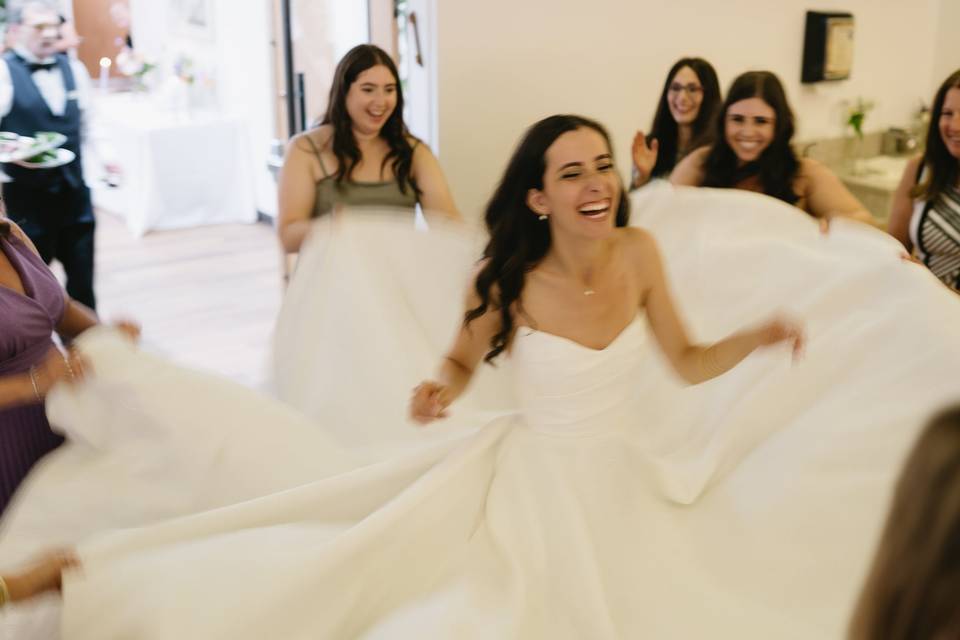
644	156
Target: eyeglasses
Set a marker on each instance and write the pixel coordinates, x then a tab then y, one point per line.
43	26
692	89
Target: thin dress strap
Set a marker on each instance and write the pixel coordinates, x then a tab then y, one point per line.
316	151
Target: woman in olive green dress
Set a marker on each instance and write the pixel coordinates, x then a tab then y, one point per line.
361	154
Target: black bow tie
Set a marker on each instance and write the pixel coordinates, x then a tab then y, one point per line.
40	66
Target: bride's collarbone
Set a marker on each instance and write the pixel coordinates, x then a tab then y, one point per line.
611	287
593	321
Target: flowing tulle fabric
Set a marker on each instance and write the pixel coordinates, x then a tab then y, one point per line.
600	499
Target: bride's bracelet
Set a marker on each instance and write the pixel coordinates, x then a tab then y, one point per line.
35	384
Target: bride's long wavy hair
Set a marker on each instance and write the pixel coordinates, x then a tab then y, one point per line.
518	239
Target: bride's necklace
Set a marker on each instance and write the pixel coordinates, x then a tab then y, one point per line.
588	289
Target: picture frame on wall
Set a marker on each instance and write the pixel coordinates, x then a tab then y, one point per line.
193	18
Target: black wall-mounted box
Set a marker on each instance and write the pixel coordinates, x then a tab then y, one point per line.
827	47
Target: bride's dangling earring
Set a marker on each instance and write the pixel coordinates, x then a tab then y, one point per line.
542	217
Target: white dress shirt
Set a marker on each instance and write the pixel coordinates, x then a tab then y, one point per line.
51	84
52	87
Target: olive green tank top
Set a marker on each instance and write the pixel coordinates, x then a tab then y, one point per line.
358	194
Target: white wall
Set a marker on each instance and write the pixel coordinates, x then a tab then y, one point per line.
245	83
238	56
503	64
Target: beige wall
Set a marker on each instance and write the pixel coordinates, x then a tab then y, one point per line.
383	26
503	64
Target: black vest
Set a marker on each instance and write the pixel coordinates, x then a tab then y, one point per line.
30	114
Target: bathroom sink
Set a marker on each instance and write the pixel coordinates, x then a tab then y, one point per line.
877	172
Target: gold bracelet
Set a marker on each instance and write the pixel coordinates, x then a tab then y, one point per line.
36	386
66	361
4	592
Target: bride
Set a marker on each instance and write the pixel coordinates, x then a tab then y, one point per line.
539	525
612	502
562	262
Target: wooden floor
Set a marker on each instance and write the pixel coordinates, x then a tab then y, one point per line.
206	297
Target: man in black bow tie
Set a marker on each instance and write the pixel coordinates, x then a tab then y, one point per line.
43	90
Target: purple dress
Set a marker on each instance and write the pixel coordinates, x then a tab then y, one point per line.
27	323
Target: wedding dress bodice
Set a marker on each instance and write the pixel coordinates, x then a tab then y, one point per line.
564	387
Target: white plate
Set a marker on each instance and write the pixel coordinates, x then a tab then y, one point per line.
14	148
64	156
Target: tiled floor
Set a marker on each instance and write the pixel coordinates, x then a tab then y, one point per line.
206	297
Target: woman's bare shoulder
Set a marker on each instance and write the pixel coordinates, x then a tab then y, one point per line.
313	141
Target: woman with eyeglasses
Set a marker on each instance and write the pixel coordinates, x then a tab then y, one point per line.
687	106
751	151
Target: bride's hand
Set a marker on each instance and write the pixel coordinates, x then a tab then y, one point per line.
429	402
782	330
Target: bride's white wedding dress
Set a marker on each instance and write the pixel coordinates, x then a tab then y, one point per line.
576	493
546	524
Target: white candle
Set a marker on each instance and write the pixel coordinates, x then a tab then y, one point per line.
105	72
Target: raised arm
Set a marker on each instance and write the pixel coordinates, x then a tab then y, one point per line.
902	209
693	362
432	397
644	152
297	192
435	196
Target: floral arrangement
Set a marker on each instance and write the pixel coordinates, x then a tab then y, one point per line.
184	69
134	64
857	113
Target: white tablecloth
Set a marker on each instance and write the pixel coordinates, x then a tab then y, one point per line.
179	169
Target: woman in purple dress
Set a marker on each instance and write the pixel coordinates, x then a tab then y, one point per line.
32	306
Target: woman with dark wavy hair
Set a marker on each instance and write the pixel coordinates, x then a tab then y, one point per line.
926	206
752	150
683	122
561	261
911	592
361	154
